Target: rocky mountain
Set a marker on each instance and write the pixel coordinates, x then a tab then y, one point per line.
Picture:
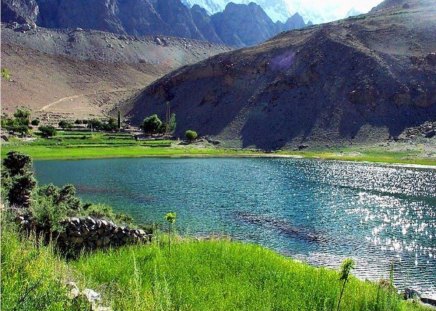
150	17
361	80
21	11
243	25
83	73
277	10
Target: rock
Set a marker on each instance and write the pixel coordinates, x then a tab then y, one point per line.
431	59
430	134
25	27
73	290
158	41
91	295
411	294
429	300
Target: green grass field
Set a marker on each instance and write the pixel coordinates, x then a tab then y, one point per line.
87	145
196	275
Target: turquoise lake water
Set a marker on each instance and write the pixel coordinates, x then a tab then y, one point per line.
317	211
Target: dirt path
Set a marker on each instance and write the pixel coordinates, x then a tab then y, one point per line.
63	99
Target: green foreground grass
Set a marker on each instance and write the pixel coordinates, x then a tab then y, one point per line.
87	145
196	275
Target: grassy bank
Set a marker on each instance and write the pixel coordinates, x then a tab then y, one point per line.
87	145
33	277
196	275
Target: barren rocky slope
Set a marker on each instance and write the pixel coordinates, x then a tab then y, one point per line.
83	73
360	80
151	17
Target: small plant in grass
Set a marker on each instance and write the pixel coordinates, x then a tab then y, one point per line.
171	219
346	267
191	135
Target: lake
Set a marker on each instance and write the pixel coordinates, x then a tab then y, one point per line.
316	211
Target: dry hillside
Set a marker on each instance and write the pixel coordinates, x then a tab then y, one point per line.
78	73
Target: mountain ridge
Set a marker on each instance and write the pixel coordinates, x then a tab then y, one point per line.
147	17
360	80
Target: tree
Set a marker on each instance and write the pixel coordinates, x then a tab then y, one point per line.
95	124
47	131
65	124
21	182
172	123
21	190
152	124
17	163
191	135
22	116
35	122
119	120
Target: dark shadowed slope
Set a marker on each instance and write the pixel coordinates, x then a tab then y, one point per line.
360	80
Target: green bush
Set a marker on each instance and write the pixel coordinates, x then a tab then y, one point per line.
65	124
17	179
6	74
18	124
35	122
191	135
152	124
47	131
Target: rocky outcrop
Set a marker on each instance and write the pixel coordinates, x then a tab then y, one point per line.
354	81
20	11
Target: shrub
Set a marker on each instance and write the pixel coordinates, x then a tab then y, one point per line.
78	121
35	122
152	124
17	163
47	131
95	124
65	124
191	135
22	114
17	179
6	74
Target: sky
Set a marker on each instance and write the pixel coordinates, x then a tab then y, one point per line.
320	11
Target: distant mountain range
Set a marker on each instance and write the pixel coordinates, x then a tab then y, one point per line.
277	10
237	25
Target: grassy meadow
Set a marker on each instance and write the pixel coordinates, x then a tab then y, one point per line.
195	275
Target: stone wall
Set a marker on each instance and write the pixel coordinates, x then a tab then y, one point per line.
89	233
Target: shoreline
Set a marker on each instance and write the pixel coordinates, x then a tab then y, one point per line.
44	153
